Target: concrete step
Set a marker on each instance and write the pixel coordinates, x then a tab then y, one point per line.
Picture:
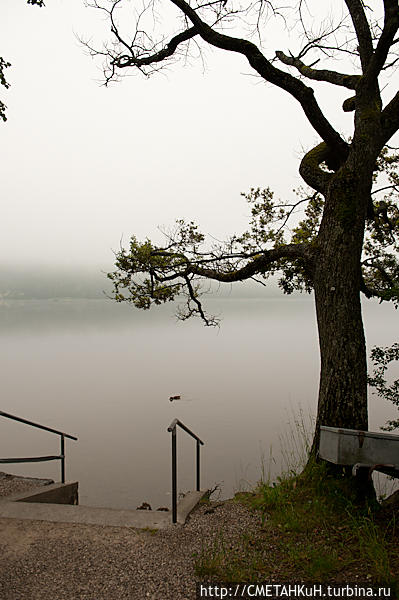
110	517
187	504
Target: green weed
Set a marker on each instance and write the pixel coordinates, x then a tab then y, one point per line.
312	528
375	543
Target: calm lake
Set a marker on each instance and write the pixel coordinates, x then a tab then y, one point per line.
104	372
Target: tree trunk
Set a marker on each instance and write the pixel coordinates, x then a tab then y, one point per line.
337	278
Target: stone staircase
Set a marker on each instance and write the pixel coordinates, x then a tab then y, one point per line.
57	503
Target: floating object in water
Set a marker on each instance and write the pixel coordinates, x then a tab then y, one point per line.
181	397
144	506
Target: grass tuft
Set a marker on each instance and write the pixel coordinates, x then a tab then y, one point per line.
311	528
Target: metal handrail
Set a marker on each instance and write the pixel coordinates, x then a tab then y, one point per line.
172	430
60	457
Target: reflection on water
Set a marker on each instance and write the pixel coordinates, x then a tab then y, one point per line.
105	372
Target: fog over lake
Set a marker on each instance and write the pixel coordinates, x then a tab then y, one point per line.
104	372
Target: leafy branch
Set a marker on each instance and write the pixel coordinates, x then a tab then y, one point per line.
382	357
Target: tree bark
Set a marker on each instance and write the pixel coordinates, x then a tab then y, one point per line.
337	278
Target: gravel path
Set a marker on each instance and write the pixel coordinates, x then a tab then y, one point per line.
53	561
13	484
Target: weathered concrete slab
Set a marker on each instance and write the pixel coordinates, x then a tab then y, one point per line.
187	504
65	513
55	493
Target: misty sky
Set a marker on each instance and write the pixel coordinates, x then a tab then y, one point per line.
83	166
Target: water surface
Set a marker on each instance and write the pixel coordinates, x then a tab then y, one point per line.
104	372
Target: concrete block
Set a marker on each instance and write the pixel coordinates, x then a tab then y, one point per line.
187	504
56	493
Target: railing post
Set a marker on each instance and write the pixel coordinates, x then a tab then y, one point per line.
62	459
174	476
173	429
62	435
198	466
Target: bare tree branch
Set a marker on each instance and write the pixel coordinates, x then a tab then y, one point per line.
260	264
386	187
341	79
124	61
390	119
391	26
362	28
310	169
303	94
193	297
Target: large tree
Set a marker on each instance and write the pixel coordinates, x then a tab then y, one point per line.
347	243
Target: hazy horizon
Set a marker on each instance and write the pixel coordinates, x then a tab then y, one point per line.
51	281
